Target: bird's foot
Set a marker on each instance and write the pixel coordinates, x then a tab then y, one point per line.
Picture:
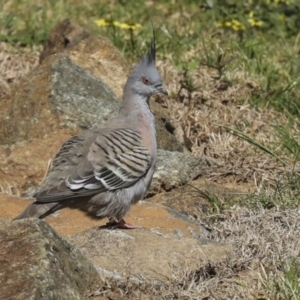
122	224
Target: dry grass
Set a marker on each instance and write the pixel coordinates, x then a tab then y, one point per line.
264	240
14	64
204	124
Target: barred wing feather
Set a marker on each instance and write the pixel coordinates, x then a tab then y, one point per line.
116	160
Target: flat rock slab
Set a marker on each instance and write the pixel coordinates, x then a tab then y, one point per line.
145	255
37	264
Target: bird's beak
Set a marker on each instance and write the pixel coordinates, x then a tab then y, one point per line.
160	89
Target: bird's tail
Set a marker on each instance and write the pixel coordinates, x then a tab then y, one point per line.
38	210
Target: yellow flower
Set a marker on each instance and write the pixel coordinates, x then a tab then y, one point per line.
237	25
255	22
102	22
234	24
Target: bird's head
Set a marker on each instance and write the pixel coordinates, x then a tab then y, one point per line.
144	79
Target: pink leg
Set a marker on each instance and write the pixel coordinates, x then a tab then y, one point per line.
121	224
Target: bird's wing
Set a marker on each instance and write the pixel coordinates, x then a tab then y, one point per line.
116	159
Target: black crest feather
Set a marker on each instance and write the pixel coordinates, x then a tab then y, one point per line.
151	55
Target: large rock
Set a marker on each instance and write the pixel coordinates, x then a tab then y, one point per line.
93	53
146	255
81	99
56	95
102	59
37	264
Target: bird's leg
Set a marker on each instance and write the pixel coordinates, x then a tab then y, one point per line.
122	224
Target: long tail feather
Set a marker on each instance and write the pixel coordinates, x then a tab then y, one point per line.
39	210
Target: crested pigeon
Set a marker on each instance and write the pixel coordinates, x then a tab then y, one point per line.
107	168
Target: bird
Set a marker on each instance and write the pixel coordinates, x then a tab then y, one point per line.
107	168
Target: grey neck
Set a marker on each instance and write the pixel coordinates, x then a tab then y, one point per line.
133	103
135	109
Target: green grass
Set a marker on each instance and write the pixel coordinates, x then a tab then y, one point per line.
218	33
287	285
216	203
286	188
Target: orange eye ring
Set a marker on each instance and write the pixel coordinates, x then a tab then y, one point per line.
145	80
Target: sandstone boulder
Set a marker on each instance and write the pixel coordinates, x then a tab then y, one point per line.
37	264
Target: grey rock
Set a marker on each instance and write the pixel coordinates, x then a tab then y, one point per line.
174	169
82	99
38	264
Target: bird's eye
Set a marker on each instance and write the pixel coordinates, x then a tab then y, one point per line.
145	80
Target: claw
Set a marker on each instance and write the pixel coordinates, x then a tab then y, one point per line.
121	224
